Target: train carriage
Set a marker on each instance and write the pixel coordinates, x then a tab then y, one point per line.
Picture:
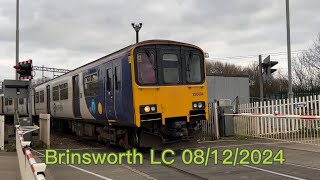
150	90
1	104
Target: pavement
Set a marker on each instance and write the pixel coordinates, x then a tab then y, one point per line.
9	167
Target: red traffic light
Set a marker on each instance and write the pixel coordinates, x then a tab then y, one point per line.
24	69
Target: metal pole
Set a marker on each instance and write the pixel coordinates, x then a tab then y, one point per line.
260	78
137	36
17	36
42	73
137	28
290	93
17	59
30	100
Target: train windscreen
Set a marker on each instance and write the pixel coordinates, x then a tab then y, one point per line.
168	65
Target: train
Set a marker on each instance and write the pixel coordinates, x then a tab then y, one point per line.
151	92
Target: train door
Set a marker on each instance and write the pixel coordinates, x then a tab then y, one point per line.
2	105
109	92
48	99
76	97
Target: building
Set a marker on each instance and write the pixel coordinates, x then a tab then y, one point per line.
228	87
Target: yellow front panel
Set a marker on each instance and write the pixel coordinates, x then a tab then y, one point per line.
172	101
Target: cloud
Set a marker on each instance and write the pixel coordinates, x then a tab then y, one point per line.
68	34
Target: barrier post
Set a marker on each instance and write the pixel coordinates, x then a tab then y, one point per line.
44	120
1	132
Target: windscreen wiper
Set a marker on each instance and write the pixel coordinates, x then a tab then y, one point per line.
189	58
149	55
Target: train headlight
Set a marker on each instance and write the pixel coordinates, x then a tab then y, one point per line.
195	105
147	109
152	108
198	105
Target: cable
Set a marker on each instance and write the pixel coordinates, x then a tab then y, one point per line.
255	56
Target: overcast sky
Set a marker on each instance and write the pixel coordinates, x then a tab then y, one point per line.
70	33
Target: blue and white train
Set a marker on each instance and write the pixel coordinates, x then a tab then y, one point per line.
150	90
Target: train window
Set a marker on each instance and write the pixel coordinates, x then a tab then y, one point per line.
193	68
41	97
55	93
170	64
10	102
109	76
21	100
63	91
117	78
146	68
36	97
91	85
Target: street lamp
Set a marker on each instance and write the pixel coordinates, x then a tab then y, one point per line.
137	28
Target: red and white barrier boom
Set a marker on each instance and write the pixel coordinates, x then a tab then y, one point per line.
285	116
29	168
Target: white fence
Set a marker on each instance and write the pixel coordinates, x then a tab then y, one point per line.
295	121
29	168
210	128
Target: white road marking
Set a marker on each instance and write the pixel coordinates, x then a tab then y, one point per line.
251	144
80	169
237	145
139	172
273	172
298	165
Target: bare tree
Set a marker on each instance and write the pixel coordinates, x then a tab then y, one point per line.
306	67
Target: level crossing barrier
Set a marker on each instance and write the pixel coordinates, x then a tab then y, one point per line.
29	168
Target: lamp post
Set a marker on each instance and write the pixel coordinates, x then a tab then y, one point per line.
137	28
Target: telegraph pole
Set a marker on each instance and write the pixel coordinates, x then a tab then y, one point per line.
137	28
17	59
290	93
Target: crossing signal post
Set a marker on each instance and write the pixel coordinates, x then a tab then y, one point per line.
267	66
24	69
265	71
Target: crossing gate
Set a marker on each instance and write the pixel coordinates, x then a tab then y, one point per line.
29	168
296	121
210	128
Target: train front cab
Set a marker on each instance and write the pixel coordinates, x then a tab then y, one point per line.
169	90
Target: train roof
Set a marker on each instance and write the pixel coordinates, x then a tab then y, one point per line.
121	52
